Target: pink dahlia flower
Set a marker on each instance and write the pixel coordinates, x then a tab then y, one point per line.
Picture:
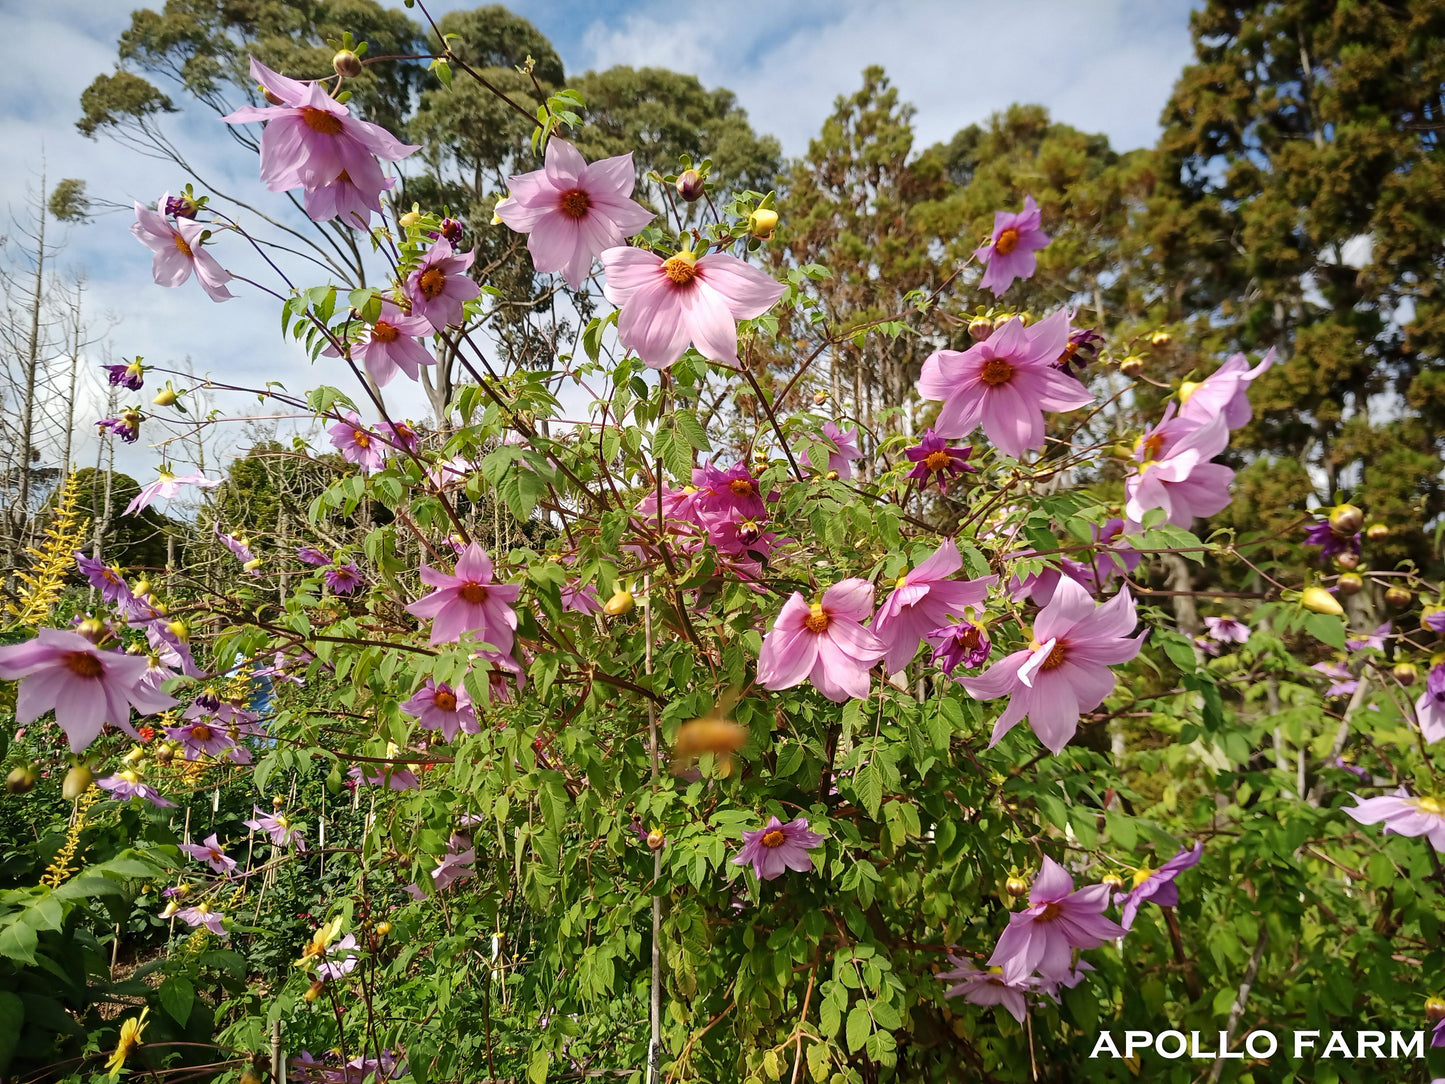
934	461
572	211
438	706
1065	670
1174	470
199	738
392	345
1009	253
469	601
166	486
1430	707
127	784
1403	815
342	959
178	252
456	863
278	828
439	288
986	986
210	852
1225	391
1227	629
1158	884
86	686
1043	936
842	450
358	444
202	915
777	847
1004	384
825	642
923	600
668	303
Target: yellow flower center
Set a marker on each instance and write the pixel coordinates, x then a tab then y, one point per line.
319	120
384	332
1007	242
817	620
360	438
937	461
680	268
1152	446
432	282
742	487
1049	913
1430	805
83	664
201	732
1056	656
996	371
901	582
575	204
1142	874
775	838
475	593
445	699
181	246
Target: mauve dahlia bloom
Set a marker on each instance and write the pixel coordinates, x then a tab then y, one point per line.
345	199
1043	936
825	642
1175	473
178	252
385	775
391	346
211	852
1430	707
1225	391
198	738
311	556
580	597
572	211
1403	815
1158	884
842	450
277	827
106	580
440	286
468	600
311	141
776	848
1112	557
241	549
1004	384
923	600
963	644
438	706
344	579
1065	670
1009	253
985	986
343	960
358	444
166	486
934	461
668	303
202	915
126	375
127	784
1330	542
1226	629
456	863
1369	640
86	686
1342	682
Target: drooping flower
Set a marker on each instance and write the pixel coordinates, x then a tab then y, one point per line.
1113	556
776	848
126	425
1403	815
1009	253
312	141
202	915
277	827
385	775
358	444
345	199
935	461
1225	392
404	436
181	207
108	581
1430	707
468	601
166	486
961	644
341	959
1331	542
1158	884
344	579
1004	384
1065	670
580	597
1374	640
440	286
1174	471
825	642
130	1033
456	863
668	303
211	852
241	549
392	345
573	211
1342	682
1227	629
86	686
127	784
1043	936
312	556
842	449
923	600
985	986
316	945
178	252
127	375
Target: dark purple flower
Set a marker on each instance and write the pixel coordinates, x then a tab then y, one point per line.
1158	884
1353	769
310	556
126	426
403	435
963	644
1435	622
1082	348
344	579
936	461
451	229
180	207
131	375
1331	544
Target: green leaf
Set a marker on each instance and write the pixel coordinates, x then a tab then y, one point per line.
12	1018
860	1026
177	997
18	941
537	1067
868	785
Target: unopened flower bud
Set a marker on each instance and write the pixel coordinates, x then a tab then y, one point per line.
411	218
274	99
253	564
1346	519
1318	600
832	476
620	603
980	328
1399	597
1349	583
134	755
277	801
451	229
819	398
1017	885
762	222
165	754
690	185
1113	880
143	588
93	629
1405	673
179	631
1160	339
1434	1009
383	928
21	780
655	839
77	782
346	64
165	397
1187	390
1349	560
313	991
1132	366
250	1076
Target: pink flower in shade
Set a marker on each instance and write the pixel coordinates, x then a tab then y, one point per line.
1227	629
1403	815
668	303
825	642
439	287
1374	639
345	199
1113	555
580	597
86	686
1158	884
277	827
1342	682
198	738
210	852
311	556
456	863
386	775
438	706
166	486
127	784
1043	936
392	345
1065	670
1009	253
178	252
403	435
573	211
986	986
312	141
342	961
1430	707
924	600
468	601
503	673
241	549
202	915
358	444
843	449
777	847
934	461
1225	392
1004	384
1175	473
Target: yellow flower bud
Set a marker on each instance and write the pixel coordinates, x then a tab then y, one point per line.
620	603
346	64
165	397
411	218
1318	600
762	222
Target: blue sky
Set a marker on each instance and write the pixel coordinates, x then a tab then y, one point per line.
1101	65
